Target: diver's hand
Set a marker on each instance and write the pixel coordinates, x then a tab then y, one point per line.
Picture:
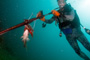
40	15
56	13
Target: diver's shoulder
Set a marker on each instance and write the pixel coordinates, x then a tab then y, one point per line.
70	6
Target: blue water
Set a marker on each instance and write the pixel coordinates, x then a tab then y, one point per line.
46	43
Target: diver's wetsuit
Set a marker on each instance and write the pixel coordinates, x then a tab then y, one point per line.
75	34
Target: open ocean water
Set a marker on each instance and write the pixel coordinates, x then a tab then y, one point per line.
46	43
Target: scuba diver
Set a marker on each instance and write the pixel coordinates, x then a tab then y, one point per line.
69	24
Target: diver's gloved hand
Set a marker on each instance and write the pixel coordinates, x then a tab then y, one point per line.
56	13
40	15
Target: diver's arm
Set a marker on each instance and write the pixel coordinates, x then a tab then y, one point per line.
49	21
71	16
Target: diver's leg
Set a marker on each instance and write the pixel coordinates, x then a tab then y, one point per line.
74	44
84	42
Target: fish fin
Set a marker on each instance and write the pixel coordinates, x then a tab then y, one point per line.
32	34
28	39
21	37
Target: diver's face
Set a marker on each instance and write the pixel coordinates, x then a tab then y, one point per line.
61	3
